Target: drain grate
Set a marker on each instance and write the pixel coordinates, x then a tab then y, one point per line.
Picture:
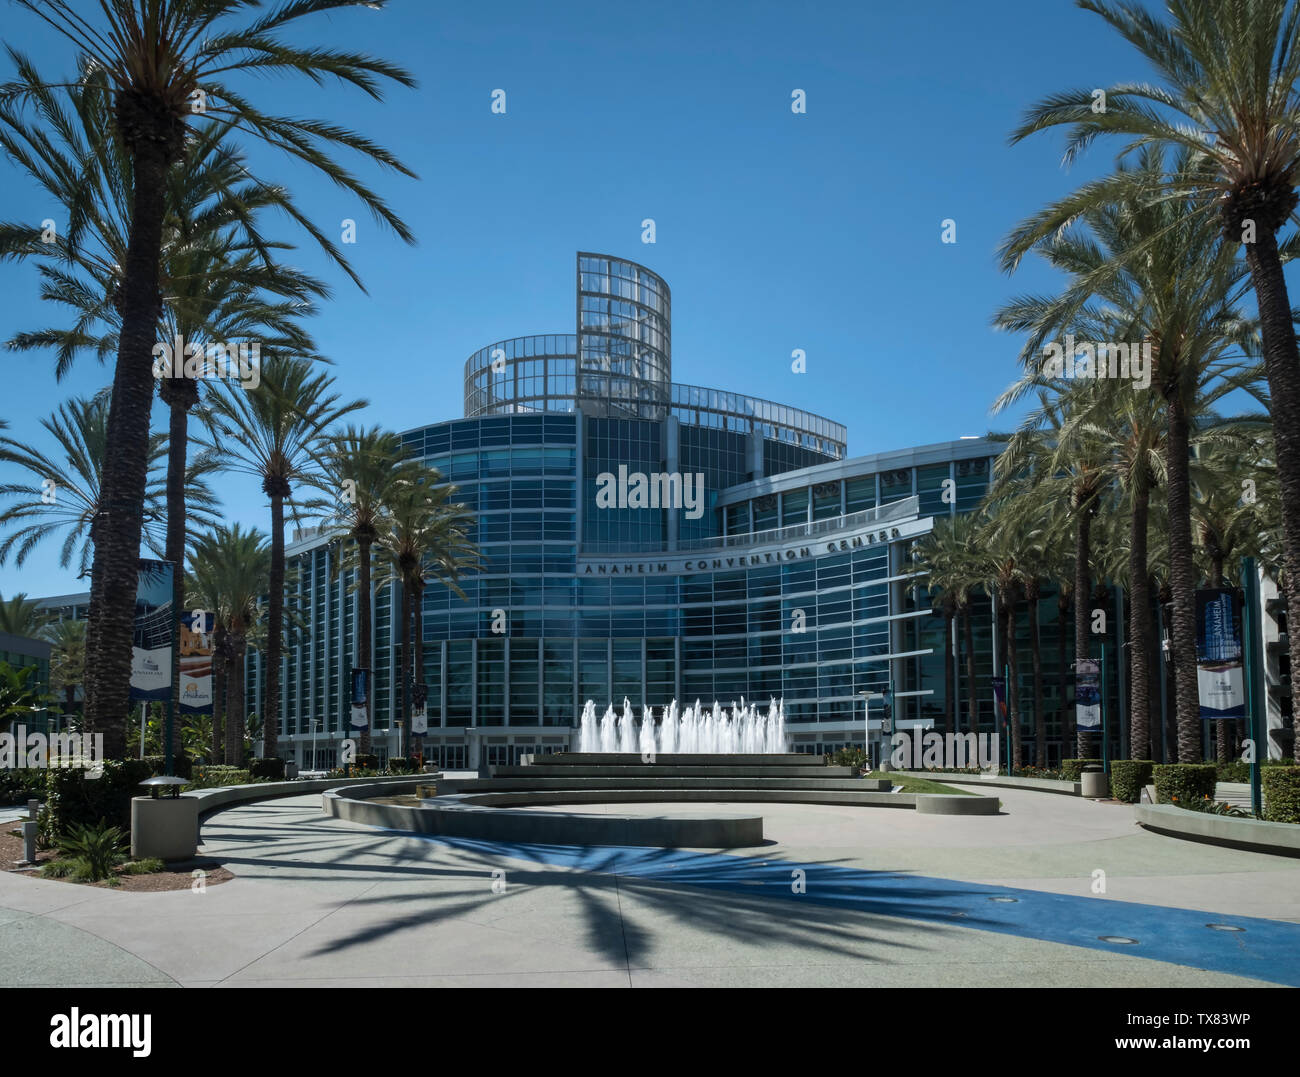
1122	940
1224	927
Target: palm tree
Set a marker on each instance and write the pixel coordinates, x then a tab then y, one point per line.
229	573
67	660
1001	549
167	62
1159	274
1229	102
21	616
426	537
68	496
943	556
364	471
281	427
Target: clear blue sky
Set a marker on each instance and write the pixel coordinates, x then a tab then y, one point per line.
775	231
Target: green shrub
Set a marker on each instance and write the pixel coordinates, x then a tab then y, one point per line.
271	769
20	786
847	757
148	866
94	851
366	762
1236	771
1183	782
182	764
400	765
1281	794
77	800
58	869
211	777
1128	776
1072	768
1212	807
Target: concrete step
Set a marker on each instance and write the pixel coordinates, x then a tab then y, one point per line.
544	770
503	785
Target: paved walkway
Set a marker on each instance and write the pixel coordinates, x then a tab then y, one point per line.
891	898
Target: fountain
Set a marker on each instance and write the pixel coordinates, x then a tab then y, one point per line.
743	731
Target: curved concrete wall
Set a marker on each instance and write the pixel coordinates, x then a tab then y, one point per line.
463	820
1256	835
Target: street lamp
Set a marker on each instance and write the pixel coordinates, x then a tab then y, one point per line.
867	697
315	723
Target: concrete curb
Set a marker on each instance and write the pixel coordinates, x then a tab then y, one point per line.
211	800
1254	835
456	817
1041	785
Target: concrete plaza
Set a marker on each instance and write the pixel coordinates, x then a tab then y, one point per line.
839	896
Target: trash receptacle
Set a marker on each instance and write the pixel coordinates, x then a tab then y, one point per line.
1092	782
291	769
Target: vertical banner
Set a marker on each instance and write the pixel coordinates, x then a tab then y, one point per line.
419	710
1220	677
360	696
151	637
197	645
1000	701
1087	694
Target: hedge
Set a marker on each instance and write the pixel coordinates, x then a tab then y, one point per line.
208	777
1282	794
20	786
182	765
1238	771
1071	768
1184	781
400	765
1128	776
271	769
77	800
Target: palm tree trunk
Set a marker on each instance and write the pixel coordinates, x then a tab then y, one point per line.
1036	655
364	602
116	528
1013	683
177	452
1139	620
1153	702
274	631
1182	581
1062	675
418	611
218	691
949	679
235	704
405	715
1082	589
972	701
1282	365
1222	753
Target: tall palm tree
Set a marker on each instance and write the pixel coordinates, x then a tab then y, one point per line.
364	470
1001	548
1158	274
230	572
21	616
167	62
944	555
281	427
64	493
1229	99
67	660
426	537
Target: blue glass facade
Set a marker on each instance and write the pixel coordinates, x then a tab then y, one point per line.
752	559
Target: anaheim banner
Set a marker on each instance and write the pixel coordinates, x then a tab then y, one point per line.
1220	678
197	630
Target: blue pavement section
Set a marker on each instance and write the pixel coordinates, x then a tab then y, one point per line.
1266	950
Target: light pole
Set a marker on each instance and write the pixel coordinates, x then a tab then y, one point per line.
867	697
315	723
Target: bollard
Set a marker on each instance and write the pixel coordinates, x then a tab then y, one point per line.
29	843
33	808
